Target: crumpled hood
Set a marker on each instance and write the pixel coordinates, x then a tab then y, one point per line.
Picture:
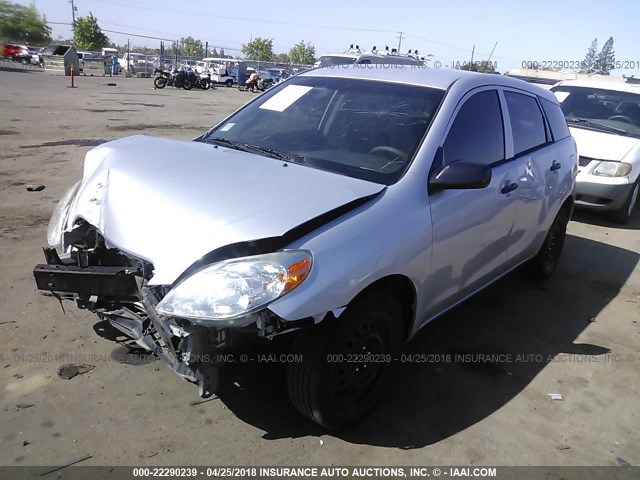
602	146
171	202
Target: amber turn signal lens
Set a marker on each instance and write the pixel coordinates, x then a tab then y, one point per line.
296	273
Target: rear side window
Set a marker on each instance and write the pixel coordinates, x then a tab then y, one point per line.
476	135
527	122
554	114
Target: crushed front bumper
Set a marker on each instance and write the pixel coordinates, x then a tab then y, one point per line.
119	295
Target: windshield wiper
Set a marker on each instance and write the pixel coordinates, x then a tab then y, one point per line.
227	143
596	125
272	152
248	147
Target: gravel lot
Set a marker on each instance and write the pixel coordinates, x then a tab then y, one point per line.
576	335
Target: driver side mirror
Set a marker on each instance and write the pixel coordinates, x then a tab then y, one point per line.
458	175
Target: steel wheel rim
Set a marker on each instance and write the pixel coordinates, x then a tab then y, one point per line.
356	379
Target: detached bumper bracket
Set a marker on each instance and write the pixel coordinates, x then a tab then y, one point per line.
101	281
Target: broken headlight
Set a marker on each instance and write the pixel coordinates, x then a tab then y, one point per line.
59	217
236	287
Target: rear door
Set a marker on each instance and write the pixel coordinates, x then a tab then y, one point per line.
472	227
533	158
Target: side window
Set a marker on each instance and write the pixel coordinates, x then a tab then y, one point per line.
476	135
556	119
527	122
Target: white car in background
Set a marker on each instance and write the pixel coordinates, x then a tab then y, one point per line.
604	119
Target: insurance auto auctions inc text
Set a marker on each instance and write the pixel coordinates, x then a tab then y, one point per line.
376	472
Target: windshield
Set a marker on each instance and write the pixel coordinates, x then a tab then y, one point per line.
360	128
600	109
329	60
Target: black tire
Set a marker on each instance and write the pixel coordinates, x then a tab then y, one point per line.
228	82
326	386
545	262
187	84
160	82
623	214
205	84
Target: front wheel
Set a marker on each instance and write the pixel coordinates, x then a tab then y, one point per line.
160	82
545	262
623	214
347	364
205	84
229	82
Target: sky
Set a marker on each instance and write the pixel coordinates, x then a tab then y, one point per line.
521	31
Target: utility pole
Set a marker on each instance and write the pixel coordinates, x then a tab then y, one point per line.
491	54
73	12
472	52
400	37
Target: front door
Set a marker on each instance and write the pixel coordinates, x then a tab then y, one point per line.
472	227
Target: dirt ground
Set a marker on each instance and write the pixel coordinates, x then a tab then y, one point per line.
576	335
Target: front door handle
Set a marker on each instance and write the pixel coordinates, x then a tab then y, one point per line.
555	166
508	187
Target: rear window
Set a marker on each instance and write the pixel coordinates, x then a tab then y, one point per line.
554	114
527	122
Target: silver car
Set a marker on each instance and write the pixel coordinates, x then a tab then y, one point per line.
345	207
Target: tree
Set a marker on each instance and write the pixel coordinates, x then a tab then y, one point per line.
281	58
483	66
23	24
87	34
591	58
302	53
606	58
189	47
260	49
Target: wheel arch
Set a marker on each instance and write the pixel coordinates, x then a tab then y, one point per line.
567	206
403	289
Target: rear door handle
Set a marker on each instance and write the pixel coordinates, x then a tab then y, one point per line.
555	166
508	187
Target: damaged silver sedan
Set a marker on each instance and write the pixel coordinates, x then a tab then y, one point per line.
346	208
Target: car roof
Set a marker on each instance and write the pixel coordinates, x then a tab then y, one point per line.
427	77
604	85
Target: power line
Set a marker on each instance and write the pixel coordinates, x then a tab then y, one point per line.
145	36
243	19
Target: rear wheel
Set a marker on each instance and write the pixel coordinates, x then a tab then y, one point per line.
347	364
187	84
545	262
205	84
160	82
229	82
623	214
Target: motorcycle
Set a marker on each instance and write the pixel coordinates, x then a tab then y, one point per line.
175	78
162	80
203	81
